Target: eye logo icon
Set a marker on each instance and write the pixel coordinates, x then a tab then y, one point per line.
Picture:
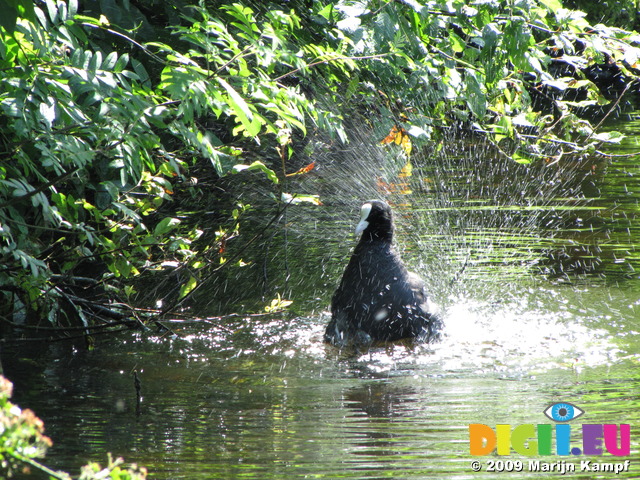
563	412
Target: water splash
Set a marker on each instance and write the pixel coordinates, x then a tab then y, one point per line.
490	237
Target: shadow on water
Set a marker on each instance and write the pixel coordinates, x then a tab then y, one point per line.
535	268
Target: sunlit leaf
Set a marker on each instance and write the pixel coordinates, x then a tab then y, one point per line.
406	171
277	304
165	225
609	137
405	142
241	109
257	165
517	157
298	198
399	136
457	44
186	288
552	5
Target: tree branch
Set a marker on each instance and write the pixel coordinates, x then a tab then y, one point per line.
40	189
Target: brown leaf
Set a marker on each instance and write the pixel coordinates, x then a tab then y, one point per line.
303	170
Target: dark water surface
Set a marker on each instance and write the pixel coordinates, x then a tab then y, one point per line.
537	272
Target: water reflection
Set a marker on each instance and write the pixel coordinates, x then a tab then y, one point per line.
381	399
261	396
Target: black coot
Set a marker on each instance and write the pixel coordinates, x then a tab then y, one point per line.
378	299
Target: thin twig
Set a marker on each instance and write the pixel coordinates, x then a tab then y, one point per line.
233	59
20	326
41	467
613	107
329	60
40	189
125	37
62	339
454	59
617	155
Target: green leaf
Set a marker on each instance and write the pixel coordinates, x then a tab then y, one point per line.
524	160
241	109
110	61
73	8
140	71
297	198
9	16
609	137
52	9
257	165
552	5
277	304
476	98
165	225
458	45
517	40
121	63
186	288
14	9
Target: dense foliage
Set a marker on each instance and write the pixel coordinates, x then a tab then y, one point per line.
118	118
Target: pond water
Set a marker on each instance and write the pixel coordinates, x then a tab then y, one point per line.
538	275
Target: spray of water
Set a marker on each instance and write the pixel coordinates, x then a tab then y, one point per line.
484	231
487	234
478	227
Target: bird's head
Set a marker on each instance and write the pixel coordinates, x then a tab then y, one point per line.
376	221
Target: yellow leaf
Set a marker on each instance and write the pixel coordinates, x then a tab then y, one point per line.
406	170
399	136
391	137
405	143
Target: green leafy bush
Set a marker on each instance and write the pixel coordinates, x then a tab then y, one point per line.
93	145
101	135
21	434
522	73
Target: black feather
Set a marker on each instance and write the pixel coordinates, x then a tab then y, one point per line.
378	299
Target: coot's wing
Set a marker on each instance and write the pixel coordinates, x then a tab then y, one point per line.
361	295
427	323
416	284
